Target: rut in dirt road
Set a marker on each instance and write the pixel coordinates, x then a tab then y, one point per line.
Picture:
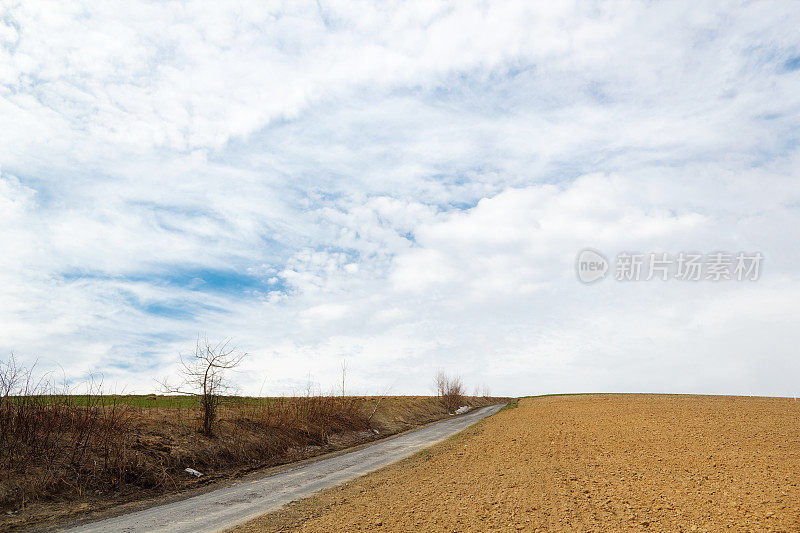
228	506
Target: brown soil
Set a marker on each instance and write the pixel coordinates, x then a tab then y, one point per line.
584	463
166	440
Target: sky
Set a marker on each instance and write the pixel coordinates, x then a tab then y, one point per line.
404	186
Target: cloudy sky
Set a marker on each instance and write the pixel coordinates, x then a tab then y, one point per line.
404	186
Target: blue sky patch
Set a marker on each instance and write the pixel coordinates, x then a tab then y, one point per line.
792	64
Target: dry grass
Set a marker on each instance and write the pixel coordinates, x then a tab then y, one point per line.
51	442
48	447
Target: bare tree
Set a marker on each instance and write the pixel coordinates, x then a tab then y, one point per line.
440	380
204	376
344	374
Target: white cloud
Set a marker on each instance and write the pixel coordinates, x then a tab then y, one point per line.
405	186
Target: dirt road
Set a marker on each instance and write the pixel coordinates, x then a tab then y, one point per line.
584	463
224	508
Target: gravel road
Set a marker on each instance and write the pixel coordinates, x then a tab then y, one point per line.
232	505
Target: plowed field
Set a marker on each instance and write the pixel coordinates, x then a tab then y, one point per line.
584	463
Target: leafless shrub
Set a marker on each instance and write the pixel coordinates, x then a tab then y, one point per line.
51	439
450	389
204	376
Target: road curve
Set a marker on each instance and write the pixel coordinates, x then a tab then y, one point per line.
228	506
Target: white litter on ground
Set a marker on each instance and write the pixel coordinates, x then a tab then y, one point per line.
193	472
463	409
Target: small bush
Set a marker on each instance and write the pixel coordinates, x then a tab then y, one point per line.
450	390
